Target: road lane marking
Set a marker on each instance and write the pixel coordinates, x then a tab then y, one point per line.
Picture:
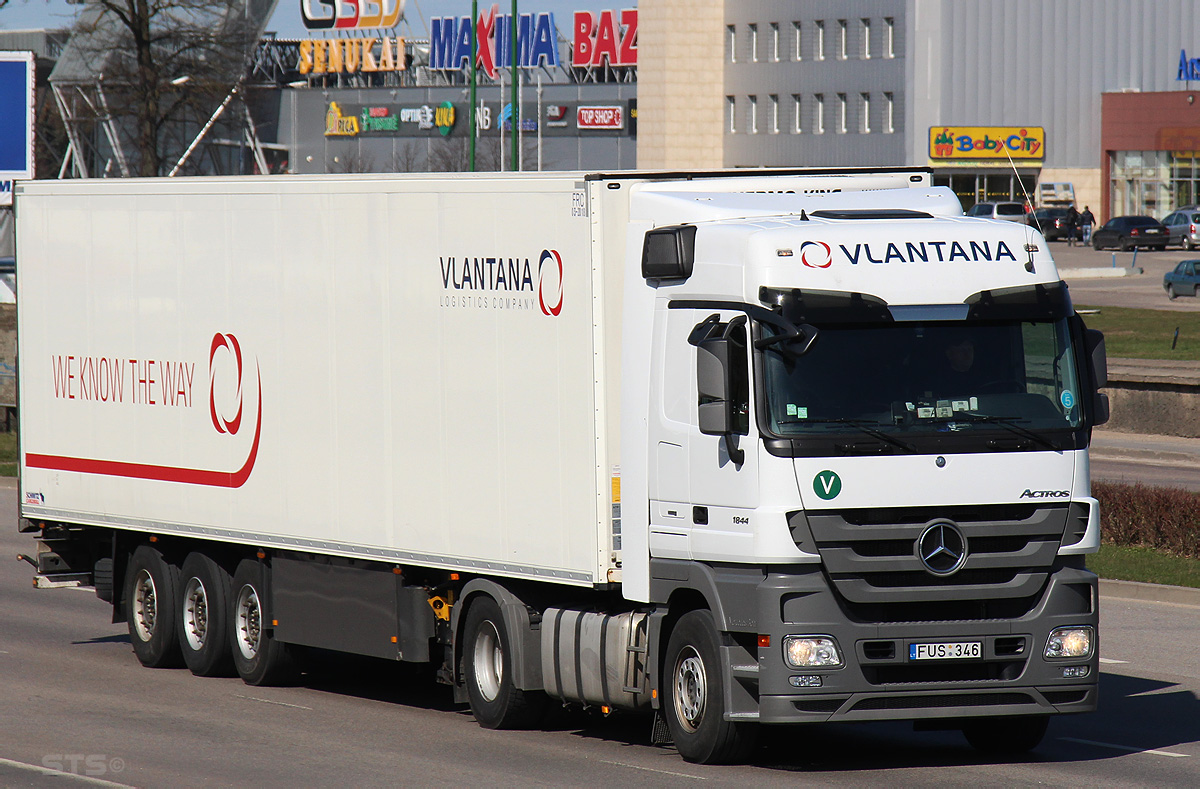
1112	660
268	701
652	770
83	779
1125	748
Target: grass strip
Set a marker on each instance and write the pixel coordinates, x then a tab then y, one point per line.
1146	334
1147	565
8	454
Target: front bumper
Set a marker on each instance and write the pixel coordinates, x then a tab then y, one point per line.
878	681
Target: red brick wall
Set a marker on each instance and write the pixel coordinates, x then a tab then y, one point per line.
1145	122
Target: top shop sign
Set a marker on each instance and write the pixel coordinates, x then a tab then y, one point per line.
607	36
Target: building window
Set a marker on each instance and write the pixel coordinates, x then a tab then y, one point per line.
753	125
774	114
796	31
866	31
775	41
819	47
841	123
841	39
889	37
731	111
819	113
797	123
889	113
731	42
866	113
753	43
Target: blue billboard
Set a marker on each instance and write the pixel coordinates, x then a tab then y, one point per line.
16	120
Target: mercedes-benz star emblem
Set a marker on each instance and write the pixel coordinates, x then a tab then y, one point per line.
942	548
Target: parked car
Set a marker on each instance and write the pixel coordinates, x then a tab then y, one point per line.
1183	279
1129	232
1051	221
1183	227
1012	212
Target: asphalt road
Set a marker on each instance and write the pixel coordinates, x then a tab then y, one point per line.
75	699
1144	290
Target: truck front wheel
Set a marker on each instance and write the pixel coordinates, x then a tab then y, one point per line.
150	603
693	696
258	657
496	701
1006	736
204	610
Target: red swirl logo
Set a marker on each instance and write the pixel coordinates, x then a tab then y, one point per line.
550	283
816	254
230	344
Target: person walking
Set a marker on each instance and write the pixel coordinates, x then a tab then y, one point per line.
1086	220
1071	223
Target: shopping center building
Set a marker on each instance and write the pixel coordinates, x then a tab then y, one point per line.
995	97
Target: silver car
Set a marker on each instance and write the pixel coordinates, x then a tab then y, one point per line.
1183	227
1010	211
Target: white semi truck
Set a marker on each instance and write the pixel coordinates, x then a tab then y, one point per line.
734	448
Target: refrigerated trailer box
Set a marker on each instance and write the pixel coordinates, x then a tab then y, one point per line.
645	441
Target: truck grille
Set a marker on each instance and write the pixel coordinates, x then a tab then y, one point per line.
871	559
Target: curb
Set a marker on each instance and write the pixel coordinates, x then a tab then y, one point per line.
1150	593
1099	273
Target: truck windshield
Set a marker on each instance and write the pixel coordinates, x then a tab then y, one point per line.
901	382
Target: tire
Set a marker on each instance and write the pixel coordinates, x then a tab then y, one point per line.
693	696
204	610
1160	249
1187	243
1171	294
151	585
1123	245
487	656
1096	245
258	657
1006	736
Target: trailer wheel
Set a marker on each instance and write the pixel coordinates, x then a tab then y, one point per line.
496	701
1006	736
150	603
259	658
694	696
204	610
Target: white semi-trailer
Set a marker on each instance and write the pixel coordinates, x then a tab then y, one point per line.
738	448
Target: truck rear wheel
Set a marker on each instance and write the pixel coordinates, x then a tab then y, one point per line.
150	603
259	658
1006	736
496	701
693	696
204	611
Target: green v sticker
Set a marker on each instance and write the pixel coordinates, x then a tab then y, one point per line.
827	485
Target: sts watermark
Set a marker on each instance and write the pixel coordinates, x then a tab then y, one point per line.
91	764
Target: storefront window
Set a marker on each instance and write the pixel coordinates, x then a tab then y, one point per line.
973	188
1153	183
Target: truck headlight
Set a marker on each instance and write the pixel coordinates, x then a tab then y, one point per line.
810	652
1069	642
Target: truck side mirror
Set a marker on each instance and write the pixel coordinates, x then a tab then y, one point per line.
713	385
1098	362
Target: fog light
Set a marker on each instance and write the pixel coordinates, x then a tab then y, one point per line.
1075	672
1069	642
811	681
810	651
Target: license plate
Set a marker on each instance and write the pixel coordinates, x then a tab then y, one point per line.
954	650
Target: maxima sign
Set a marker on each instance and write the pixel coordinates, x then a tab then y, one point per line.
16	121
450	41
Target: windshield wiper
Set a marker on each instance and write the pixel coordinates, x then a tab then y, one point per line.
1009	424
863	426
